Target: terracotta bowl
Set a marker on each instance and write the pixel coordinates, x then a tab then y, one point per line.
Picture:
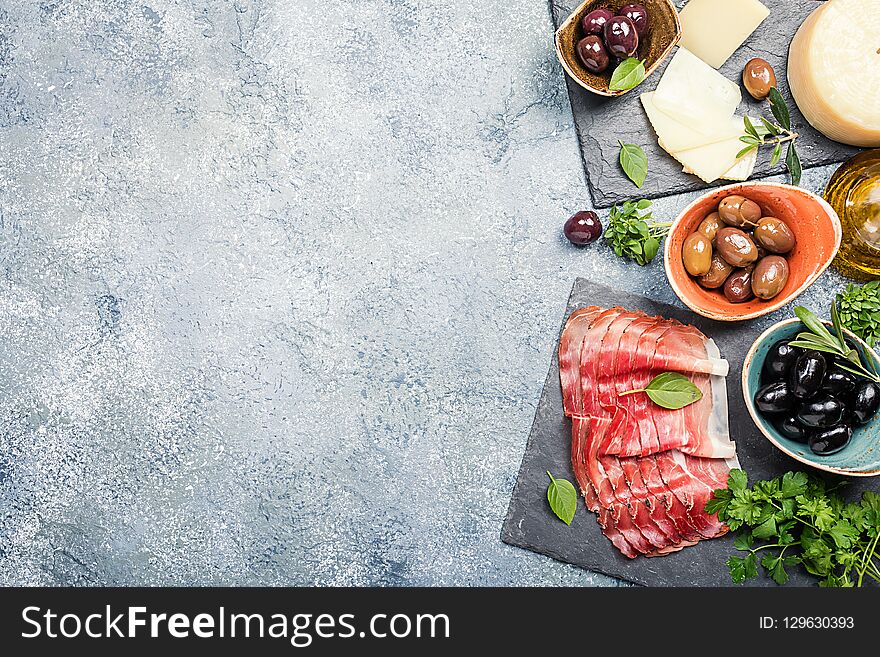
664	31
814	223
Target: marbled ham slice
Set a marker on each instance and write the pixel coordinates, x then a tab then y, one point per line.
647	472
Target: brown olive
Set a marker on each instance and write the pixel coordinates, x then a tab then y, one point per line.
739	211
758	78
710	225
738	288
774	235
697	254
719	270
735	247
769	277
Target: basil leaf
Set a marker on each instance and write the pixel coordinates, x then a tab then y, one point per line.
563	498
652	246
793	162
628	74
777	155
673	391
634	163
779	108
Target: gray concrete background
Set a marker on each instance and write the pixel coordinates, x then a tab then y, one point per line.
279	286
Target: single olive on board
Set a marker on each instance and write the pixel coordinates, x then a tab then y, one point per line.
739	211
697	254
774	235
738	288
759	78
735	247
591	51
769	277
710	225
719	270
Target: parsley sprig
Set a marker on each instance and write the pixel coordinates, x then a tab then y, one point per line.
859	307
769	133
798	519
633	233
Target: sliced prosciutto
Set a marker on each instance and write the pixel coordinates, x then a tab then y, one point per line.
647	472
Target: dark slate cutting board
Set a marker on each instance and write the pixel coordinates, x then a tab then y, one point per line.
531	524
601	122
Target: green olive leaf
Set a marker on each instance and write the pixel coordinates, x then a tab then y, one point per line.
779	108
793	162
670	390
777	155
628	74
634	163
562	497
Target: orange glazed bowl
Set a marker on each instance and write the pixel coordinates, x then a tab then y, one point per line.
817	232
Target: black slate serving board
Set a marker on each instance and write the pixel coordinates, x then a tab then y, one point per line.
531	524
601	122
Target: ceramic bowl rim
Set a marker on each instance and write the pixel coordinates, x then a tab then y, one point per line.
774	304
607	92
753	412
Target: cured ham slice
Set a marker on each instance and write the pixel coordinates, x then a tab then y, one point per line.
646	471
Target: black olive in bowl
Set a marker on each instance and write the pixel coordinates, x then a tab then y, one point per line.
792	429
821	413
805	378
839	383
775	398
779	360
830	441
865	402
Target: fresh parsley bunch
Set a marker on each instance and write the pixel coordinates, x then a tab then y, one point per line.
859	307
633	233
797	519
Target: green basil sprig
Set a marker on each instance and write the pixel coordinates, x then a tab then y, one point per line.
628	74
670	390
562	497
634	163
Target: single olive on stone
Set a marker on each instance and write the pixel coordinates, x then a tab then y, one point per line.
774	235
759	78
696	253
740	212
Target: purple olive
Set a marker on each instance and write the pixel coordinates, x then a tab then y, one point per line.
621	37
594	22
591	51
583	228
638	15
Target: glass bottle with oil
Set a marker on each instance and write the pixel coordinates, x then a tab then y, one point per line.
854	193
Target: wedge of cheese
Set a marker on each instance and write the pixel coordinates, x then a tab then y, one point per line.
714	29
742	170
695	94
677	136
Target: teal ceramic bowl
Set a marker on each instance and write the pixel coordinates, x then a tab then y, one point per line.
861	458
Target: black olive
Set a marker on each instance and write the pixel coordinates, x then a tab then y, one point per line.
823	412
792	429
775	398
807	375
865	402
779	360
839	383
830	441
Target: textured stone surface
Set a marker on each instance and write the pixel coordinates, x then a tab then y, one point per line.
278	296
603	122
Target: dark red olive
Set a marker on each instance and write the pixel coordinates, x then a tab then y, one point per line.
621	37
805	378
775	398
822	412
638	15
591	51
792	429
831	440
583	228
594	22
865	402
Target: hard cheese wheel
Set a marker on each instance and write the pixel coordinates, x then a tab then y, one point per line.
834	71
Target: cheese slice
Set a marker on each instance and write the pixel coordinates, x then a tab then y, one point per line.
679	137
714	29
834	71
711	162
696	94
742	170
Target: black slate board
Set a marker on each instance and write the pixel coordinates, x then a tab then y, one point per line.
601	122
530	523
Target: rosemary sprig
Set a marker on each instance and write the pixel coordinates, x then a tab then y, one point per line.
775	134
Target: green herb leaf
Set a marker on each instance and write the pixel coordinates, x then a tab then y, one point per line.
634	163
633	234
779	108
777	155
748	139
770	128
563	498
670	390
793	162
814	324
750	129
628	74
747	149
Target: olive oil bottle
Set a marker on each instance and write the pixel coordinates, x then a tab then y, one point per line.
854	193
